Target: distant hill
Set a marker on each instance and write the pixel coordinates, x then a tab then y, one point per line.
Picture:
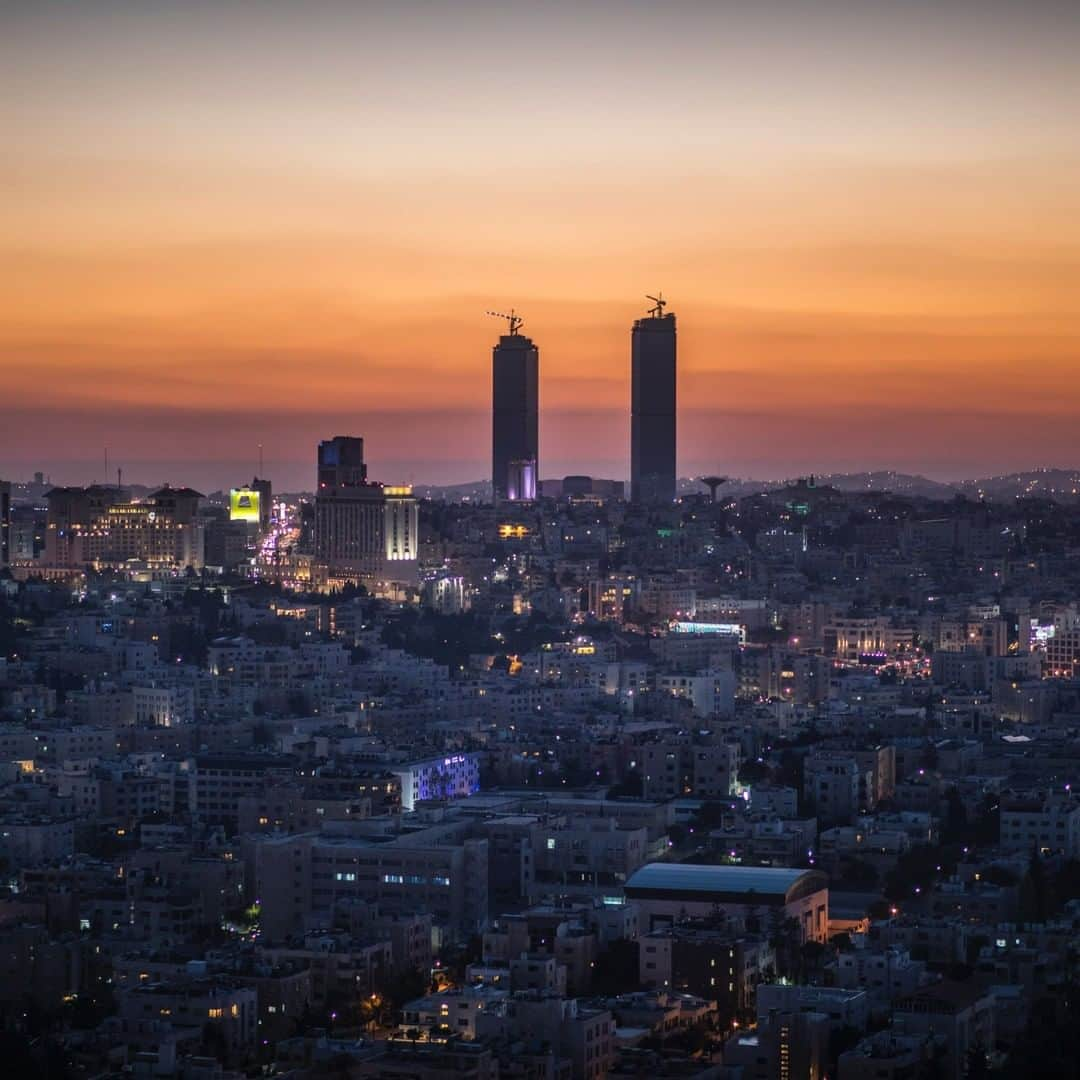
887	480
1062	485
882	480
471	490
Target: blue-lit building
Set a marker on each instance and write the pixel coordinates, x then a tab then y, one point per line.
449	776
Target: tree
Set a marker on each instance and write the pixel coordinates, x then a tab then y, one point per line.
977	1064
1036	894
397	990
843	1039
1067	881
214	1043
859	872
677	834
955	827
988	823
784	937
631	786
753	772
811	958
1000	875
918	868
616	968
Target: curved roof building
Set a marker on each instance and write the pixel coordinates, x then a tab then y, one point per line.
719	884
669	892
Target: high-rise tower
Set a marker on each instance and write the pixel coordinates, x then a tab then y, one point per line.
5	522
341	463
652	406
515	373
363	529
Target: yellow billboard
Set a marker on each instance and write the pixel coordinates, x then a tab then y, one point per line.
244	505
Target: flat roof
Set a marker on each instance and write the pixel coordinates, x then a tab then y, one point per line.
715	882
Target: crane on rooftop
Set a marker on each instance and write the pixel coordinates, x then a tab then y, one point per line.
658	311
513	319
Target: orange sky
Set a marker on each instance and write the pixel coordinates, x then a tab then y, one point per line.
225	225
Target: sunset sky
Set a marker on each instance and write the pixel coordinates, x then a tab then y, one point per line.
231	223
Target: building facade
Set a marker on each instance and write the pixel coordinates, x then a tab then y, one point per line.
363	529
515	432
5	522
652	409
102	526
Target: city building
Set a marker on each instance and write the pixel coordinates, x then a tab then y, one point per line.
653	407
252	503
715	962
962	1013
5	523
515	439
450	777
670	892
1043	821
104	527
364	530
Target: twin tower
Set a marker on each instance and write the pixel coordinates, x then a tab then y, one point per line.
515	379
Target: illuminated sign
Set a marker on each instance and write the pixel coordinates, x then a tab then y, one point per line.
243	505
510	531
708	628
398	491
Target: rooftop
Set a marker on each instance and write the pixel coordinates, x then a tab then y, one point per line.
732	881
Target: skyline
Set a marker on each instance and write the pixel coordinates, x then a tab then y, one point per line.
222	221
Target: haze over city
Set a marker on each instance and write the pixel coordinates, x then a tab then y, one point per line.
539	540
227	225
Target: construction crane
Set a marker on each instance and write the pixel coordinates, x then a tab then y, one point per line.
512	319
658	311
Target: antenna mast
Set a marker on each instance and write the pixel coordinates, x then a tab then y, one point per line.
658	311
513	319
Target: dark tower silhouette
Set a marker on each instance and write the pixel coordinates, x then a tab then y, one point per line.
5	522
341	463
652	406
515	371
